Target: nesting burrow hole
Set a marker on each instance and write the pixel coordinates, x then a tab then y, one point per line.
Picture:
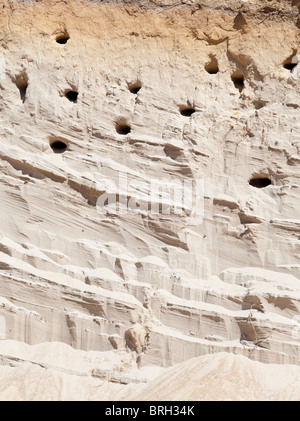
62	38
71	96
186	110
21	82
122	127
58	146
212	67
135	87
260	181
238	80
291	62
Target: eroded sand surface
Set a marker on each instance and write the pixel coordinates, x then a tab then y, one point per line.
103	304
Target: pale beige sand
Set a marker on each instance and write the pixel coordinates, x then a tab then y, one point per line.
216	377
88	297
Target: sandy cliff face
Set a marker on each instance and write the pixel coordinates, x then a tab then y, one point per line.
112	99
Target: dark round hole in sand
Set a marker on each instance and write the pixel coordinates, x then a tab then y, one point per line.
260	182
290	66
212	67
72	96
134	88
238	80
186	111
123	128
58	146
62	39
